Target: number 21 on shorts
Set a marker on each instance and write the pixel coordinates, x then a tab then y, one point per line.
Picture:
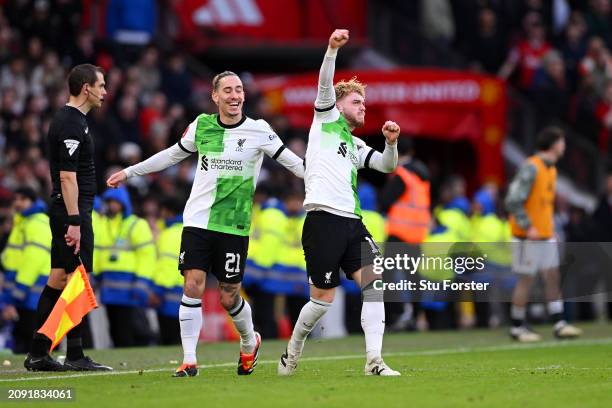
232	262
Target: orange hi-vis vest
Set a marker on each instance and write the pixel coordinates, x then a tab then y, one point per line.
409	217
540	204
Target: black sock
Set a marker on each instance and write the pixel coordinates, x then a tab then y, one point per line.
40	343
75	343
517	322
556	317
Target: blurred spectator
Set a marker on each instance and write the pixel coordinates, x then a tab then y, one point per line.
35	52
602	222
21	175
604	114
550	90
596	67
602	217
573	47
37	20
13	76
149	74
83	51
6	42
176	81
47	75
598	20
527	54
437	21
124	243
130	153
540	8
578	228
9	113
168	285
126	120
152	113
488	47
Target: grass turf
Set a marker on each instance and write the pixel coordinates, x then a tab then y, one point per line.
479	368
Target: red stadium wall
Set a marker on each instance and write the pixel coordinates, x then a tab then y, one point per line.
430	103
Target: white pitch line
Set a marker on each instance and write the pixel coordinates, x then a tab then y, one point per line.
457	350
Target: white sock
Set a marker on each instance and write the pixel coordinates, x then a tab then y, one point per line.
555	310
310	315
241	315
373	325
190	319
555	307
518	312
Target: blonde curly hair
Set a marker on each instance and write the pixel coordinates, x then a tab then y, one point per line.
344	88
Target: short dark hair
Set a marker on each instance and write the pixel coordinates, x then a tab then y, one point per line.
26	192
219	77
80	75
548	137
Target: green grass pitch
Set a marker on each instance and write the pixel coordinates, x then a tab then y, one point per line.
477	368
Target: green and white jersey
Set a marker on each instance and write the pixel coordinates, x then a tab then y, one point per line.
229	160
333	157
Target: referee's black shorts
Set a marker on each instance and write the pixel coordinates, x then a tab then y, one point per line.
62	256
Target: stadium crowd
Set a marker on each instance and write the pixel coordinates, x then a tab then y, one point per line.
558	51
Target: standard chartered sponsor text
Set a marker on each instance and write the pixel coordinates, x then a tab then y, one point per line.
225	164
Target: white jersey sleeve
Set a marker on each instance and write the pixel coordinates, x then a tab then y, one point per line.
167	157
364	153
270	142
273	147
369	158
187	141
325	102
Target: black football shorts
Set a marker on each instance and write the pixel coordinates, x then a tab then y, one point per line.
62	256
332	242
223	255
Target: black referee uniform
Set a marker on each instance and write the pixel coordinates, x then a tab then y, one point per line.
70	148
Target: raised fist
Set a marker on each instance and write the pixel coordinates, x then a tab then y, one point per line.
338	38
391	131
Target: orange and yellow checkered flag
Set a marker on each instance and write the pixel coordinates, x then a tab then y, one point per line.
76	300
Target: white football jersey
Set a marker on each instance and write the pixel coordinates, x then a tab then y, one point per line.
229	160
333	157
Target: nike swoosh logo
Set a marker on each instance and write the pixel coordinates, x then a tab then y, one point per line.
35	361
376	370
184	320
284	359
228	276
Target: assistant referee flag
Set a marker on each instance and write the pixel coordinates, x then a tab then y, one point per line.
76	300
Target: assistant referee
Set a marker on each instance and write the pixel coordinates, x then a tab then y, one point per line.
71	158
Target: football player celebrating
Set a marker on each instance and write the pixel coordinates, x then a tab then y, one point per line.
217	216
333	231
